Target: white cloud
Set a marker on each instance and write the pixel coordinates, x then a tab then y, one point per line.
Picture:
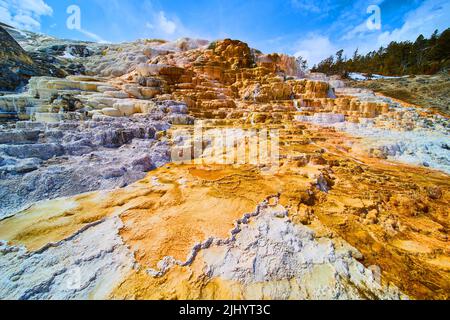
38	7
27	22
24	14
359	30
306	5
164	24
314	48
161	25
92	35
5	16
317	7
429	16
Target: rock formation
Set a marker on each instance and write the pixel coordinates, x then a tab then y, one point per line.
38	159
17	66
107	191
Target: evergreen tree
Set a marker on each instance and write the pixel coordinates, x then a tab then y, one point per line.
424	56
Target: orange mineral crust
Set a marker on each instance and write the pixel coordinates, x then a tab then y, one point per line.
395	215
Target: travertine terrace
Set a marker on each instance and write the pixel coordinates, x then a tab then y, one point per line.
94	207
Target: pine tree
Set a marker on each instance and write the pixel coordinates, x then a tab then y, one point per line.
426	56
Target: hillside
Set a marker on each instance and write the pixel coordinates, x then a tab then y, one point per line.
422	90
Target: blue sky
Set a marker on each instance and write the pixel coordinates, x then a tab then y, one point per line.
313	29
